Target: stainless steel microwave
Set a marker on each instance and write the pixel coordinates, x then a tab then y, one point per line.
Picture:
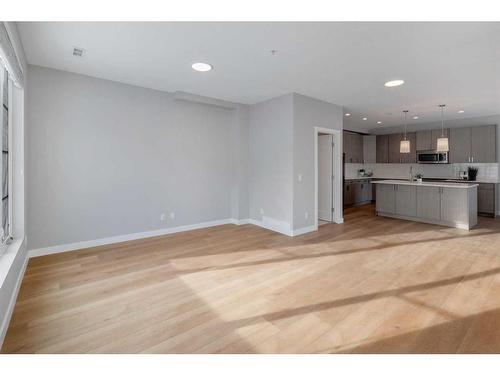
432	157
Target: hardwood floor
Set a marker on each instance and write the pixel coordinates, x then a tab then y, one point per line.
370	285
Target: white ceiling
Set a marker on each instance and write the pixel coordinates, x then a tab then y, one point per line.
344	63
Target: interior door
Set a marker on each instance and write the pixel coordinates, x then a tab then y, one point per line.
325	177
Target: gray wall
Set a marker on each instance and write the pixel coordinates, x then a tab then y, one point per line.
307	114
108	159
270	161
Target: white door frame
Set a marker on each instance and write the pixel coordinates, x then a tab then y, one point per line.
337	170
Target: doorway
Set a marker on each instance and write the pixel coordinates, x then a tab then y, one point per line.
325	178
328	176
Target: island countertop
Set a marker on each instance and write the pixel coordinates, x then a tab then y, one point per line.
456	185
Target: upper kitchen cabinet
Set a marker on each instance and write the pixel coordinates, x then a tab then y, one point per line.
460	145
369	149
483	144
382	151
424	140
394	154
353	147
475	144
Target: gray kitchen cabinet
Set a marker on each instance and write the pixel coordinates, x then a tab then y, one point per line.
460	145
366	191
429	202
348	193
405	200
486	199
385	198
435	134
424	140
357	148
394	154
483	144
412	156
369	149
353	147
382	149
346	144
454	205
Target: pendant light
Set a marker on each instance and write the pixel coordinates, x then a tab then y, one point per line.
442	142
404	146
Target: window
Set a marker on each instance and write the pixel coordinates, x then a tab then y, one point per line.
5	165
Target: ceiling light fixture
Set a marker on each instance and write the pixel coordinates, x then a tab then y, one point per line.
379	122
461	111
347	114
442	143
415	117
364	119
394	83
404	146
201	67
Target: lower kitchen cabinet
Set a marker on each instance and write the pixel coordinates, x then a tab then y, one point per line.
385	199
405	200
357	192
429	202
454	205
486	199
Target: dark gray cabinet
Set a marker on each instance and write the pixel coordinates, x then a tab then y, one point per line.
473	145
483	144
424	140
357	192
460	145
382	150
353	147
486	199
394	154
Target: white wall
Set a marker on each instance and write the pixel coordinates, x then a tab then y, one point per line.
309	113
107	159
270	162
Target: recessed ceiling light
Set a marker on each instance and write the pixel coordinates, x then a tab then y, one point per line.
201	67
379	122
415	117
364	119
394	83
461	111
347	114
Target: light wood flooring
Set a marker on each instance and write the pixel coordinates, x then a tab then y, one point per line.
370	285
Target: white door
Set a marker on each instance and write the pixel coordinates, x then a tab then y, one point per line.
325	177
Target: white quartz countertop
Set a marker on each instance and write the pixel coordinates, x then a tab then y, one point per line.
457	185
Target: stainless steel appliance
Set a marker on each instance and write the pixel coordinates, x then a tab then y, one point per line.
432	157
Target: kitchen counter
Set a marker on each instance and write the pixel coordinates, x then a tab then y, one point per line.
358	178
457	185
449	204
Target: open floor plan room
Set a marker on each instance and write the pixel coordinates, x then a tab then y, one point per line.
251	188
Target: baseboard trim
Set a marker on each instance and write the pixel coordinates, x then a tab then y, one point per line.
13	298
129	237
280	228
301	231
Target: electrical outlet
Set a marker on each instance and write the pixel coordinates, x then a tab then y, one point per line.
162	217
172	215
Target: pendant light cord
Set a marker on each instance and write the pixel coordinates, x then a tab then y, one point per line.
404	120
442	119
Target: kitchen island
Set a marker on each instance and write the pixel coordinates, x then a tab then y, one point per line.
442	203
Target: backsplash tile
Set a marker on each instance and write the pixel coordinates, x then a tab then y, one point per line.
488	172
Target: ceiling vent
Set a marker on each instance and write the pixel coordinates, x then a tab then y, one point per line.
78	52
